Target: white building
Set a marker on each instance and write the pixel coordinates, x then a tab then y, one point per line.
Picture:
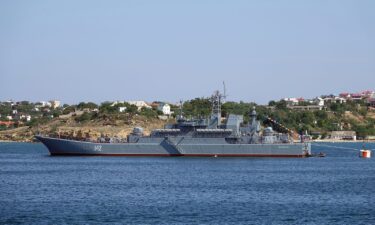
319	101
140	104
9	117
54	103
25	117
334	99
340	100
117	102
165	108
344	135
368	94
291	101
43	104
10	102
122	109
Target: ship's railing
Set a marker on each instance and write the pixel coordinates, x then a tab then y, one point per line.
166	130
215	130
85	139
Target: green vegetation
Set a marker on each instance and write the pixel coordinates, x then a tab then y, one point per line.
336	116
198	107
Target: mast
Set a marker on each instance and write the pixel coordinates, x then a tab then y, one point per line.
254	124
216	99
180	116
253	115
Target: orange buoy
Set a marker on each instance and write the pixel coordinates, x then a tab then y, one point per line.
365	153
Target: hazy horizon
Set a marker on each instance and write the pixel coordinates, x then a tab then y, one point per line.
96	51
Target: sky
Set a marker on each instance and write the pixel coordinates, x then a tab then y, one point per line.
91	50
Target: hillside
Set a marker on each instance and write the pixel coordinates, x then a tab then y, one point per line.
88	129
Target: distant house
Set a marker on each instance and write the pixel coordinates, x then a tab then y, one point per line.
43	104
140	104
122	109
306	108
55	103
155	104
334	99
345	95
344	135
46	110
368	94
293	101
6	123
356	97
371	102
318	101
90	110
327	99
10	102
117	102
340	100
370	137
165	108
14	111
9	117
26	117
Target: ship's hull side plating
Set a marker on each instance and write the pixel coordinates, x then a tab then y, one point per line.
182	147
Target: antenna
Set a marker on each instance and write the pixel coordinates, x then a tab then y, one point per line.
180	116
225	92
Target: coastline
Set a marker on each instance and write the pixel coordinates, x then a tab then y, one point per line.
11	141
342	141
312	141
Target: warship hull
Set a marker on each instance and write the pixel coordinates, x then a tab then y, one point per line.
176	146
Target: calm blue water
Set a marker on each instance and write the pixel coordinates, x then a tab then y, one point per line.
39	189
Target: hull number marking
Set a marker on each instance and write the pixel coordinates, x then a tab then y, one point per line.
98	148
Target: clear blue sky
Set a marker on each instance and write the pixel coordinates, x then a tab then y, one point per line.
170	50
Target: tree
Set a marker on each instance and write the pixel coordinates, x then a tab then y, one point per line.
307	117
197	107
271	103
69	109
88	105
281	105
132	109
84	117
149	113
106	107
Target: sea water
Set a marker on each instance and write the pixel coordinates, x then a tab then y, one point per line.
36	188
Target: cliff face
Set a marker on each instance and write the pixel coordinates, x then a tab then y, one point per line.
93	129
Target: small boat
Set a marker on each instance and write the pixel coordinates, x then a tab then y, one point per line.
320	154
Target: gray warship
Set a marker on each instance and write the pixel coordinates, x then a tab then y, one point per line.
207	137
